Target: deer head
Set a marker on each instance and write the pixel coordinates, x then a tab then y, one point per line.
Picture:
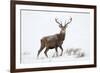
63	28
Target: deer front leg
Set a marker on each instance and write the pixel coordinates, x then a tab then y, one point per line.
61	50
56	51
46	52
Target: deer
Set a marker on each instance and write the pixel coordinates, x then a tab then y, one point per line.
56	40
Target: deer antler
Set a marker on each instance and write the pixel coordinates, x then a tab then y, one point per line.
58	21
69	21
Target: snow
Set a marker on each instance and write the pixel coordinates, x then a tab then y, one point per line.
29	58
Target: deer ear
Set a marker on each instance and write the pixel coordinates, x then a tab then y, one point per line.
60	25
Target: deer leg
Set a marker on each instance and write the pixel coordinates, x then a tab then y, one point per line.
46	52
41	48
56	51
39	51
61	50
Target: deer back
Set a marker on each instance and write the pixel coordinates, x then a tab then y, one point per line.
53	41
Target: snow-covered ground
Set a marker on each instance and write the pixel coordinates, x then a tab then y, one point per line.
68	55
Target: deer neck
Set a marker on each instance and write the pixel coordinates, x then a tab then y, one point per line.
62	36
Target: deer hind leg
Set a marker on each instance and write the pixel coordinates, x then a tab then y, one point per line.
41	48
40	51
46	52
61	50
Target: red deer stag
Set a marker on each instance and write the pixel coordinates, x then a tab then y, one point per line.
54	41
